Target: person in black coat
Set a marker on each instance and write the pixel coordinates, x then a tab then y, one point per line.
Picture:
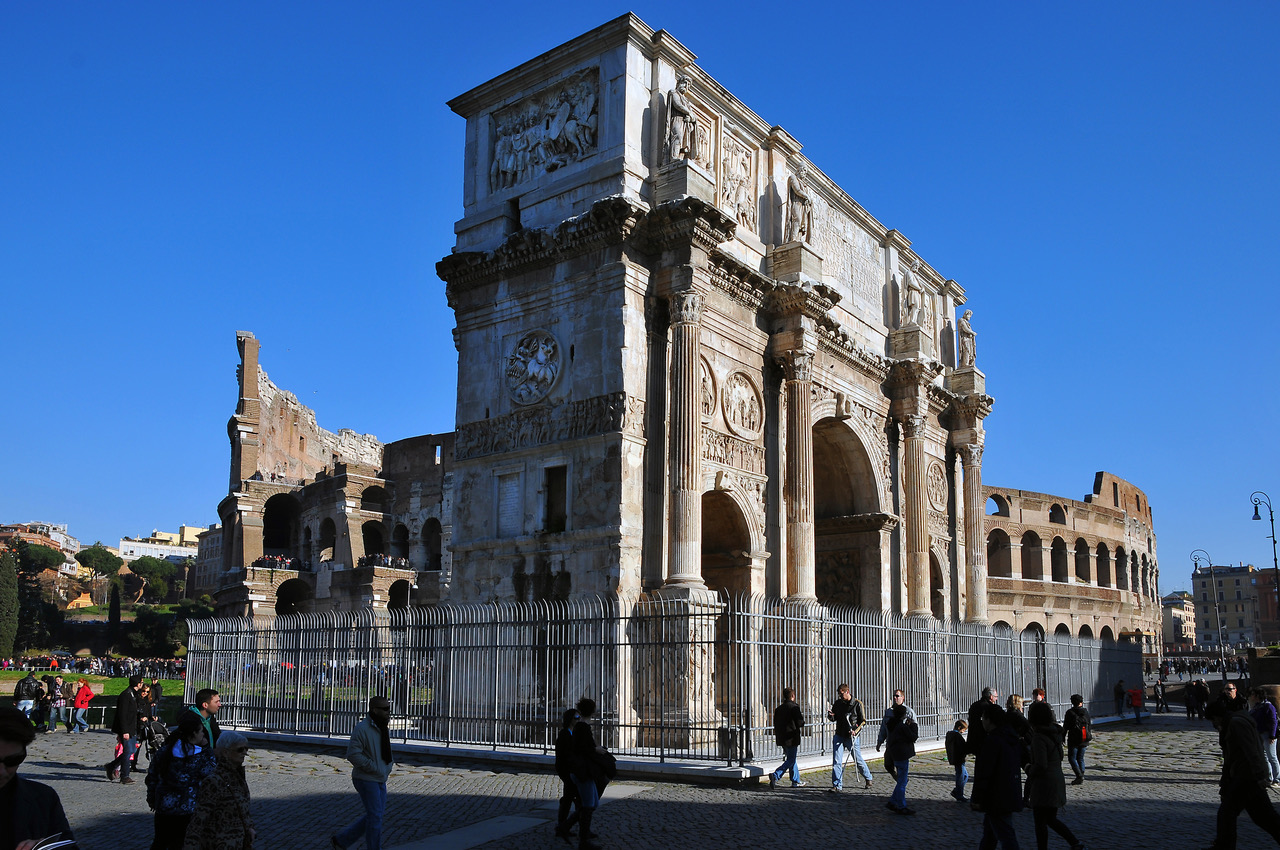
125	725
29	810
997	780
588	772
564	769
978	733
788	727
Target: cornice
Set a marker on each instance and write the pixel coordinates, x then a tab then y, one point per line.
859	522
810	300
685	221
832	340
739	282
976	406
912	373
609	221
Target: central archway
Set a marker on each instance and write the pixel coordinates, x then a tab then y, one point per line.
294	597
280	526
726	544
848	536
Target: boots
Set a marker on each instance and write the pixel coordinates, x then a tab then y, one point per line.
584	831
565	821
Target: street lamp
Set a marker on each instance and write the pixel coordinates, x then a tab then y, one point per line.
1260	498
1198	555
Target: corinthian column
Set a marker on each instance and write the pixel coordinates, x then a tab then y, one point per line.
685	542
917	517
798	367
975	609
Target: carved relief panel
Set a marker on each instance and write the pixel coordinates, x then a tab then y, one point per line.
738	181
936	486
708	391
743	406
533	367
545	131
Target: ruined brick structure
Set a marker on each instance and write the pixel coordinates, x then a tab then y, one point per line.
688	362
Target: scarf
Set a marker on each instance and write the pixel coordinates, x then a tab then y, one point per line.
386	738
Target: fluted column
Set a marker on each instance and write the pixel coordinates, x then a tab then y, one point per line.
917	516
975	610
798	367
684	562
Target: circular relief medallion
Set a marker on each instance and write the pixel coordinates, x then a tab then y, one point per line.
532	367
743	409
936	487
708	391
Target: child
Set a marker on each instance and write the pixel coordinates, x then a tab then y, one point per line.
956	750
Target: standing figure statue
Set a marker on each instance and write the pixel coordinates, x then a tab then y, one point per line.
968	340
799	208
682	124
913	294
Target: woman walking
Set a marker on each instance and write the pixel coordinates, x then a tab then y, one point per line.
80	705
174	779
221	820
1046	784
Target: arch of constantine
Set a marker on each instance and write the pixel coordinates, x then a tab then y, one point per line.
688	363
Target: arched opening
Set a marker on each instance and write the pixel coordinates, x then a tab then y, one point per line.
1000	626
1033	653
1082	561
398	595
1057	515
1058	560
1122	569
371	533
293	597
1063	630
937	588
1104	565
726	544
280	526
328	540
307	553
1146	581
999	554
1135	584
399	541
1032	557
1086	632
1106	635
373	499
431	537
997	505
847	521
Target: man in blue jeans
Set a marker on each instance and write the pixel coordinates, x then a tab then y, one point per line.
850	718
370	755
125	725
788	726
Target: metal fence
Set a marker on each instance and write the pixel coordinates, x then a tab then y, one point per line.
692	678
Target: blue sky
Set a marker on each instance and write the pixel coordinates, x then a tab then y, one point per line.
1100	177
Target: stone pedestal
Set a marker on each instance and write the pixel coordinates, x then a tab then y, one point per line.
684	178
967	381
795	262
676	669
910	343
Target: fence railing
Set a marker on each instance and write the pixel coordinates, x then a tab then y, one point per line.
688	678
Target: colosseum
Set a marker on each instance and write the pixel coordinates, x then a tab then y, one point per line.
1066	567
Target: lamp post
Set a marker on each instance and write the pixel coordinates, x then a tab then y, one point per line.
1260	498
1198	555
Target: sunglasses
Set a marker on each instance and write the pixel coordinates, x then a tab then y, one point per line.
14	760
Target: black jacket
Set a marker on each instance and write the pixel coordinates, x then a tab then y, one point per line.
977	733
26	688
997	773
849	716
1077	726
126	720
34	811
788	724
900	741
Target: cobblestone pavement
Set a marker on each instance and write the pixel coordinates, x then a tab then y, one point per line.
1153	785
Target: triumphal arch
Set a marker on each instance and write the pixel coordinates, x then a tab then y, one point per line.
688	363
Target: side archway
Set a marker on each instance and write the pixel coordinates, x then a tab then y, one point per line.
280	526
398	594
1082	561
726	544
1032	557
1058	560
432	534
374	541
294	597
999	554
1104	565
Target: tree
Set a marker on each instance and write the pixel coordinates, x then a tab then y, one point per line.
156	572
153	634
113	614
8	601
98	559
37	619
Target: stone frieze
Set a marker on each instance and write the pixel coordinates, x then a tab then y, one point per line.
538	426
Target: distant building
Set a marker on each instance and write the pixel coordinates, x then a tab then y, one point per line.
51	536
1226	600
208	562
1179	620
162	544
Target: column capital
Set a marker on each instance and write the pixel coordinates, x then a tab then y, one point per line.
796	365
685	307
971	455
913	424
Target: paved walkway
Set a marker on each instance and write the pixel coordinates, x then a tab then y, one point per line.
1153	785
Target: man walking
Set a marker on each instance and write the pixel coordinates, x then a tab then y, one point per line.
850	718
997	780
1245	776
125	725
370	755
788	726
1118	692
24	694
899	698
1077	730
978	732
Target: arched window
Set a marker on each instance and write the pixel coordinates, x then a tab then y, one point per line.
1082	561
999	554
1057	515
328	540
997	505
400	541
1122	569
373	499
1058	560
1032	557
373	540
1063	630
1104	565
1086	632
1107	636
431	537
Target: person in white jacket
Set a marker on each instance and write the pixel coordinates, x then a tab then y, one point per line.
370	755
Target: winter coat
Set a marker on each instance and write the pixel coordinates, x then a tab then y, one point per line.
1264	714
365	753
900	741
788	724
997	773
1077	726
221	820
1046	784
1244	768
84	696
957	748
174	779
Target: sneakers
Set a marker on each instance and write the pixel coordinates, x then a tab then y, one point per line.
773	782
128	780
800	783
835	789
868	785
